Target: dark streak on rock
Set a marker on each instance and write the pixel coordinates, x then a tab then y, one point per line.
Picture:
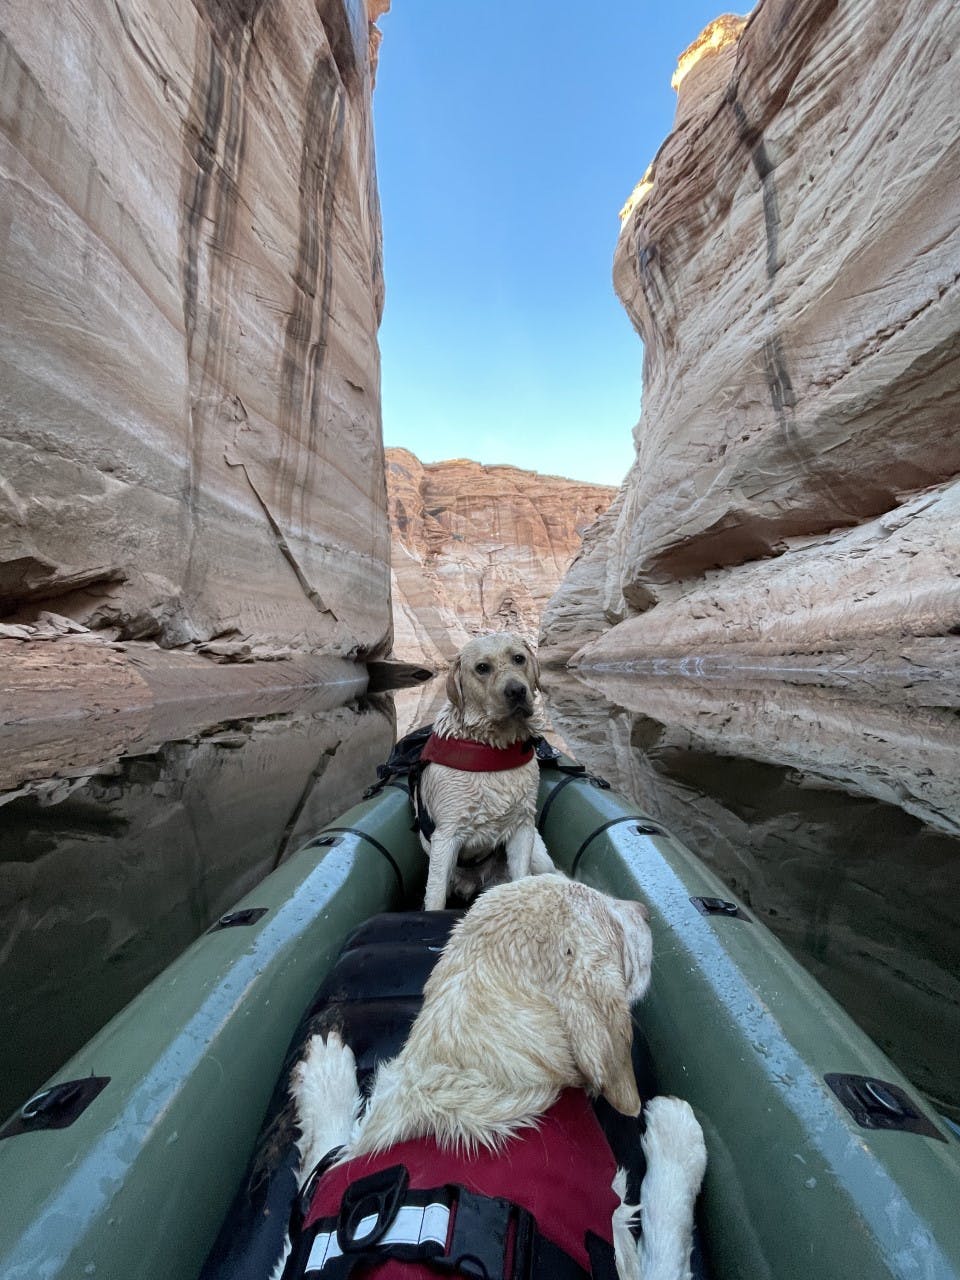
336	17
202	145
305	348
214	148
788	50
752	139
783	398
779	382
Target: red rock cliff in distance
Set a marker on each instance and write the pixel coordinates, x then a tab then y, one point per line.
791	260
477	548
190	406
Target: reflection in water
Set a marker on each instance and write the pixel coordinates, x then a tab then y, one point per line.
836	819
418	706
107	876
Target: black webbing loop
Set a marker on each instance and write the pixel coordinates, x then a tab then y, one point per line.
630	817
548	803
364	835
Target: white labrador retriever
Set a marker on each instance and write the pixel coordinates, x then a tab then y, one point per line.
477	806
531	996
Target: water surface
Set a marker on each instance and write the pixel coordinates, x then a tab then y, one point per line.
834	815
107	875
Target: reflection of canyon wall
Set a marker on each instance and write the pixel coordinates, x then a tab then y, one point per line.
835	819
791	263
417	706
192	284
477	548
108	875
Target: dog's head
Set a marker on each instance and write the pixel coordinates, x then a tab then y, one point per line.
548	940
494	681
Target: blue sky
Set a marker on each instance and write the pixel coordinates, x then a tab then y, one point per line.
509	134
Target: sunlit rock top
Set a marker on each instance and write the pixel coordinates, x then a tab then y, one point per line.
715	36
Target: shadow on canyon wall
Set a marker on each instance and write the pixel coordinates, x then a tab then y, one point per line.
107	876
835	818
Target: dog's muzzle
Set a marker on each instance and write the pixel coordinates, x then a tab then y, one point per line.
515	694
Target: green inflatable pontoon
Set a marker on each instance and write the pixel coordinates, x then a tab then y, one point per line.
824	1162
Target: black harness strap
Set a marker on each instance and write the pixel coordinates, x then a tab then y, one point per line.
451	1230
574	773
548	803
422	821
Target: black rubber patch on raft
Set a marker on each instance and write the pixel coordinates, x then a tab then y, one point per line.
875	1104
56	1107
233	919
719	907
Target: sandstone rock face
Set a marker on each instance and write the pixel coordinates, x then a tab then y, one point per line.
890	579
189	414
791	263
478	548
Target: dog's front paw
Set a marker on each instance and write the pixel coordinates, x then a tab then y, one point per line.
673	1137
323	1086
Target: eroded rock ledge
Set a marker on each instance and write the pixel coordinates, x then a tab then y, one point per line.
192	285
790	260
478	548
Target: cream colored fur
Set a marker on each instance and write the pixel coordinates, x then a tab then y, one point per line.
476	812
531	995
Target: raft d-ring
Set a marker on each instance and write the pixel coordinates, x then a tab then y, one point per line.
55	1107
34	1106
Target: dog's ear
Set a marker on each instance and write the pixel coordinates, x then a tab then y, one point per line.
534	665
455	685
596	1013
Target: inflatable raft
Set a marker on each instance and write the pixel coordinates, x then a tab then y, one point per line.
823	1160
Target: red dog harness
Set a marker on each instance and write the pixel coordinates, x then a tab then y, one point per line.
475	757
540	1206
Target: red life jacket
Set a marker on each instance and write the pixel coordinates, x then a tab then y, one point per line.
561	1172
475	757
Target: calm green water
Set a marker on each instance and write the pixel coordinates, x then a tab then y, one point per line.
836	818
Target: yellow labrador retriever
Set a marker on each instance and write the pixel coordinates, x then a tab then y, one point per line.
529	1004
480	784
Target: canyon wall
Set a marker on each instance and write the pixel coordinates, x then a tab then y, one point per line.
791	261
477	548
190	405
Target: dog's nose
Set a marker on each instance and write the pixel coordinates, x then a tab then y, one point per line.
515	691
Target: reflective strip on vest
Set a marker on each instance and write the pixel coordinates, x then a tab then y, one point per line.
412	1225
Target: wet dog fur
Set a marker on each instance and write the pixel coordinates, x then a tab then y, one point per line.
531	995
492	691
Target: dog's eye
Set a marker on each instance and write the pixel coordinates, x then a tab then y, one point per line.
519	659
482	668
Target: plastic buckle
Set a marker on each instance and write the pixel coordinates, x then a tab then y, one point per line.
481	1230
379	1194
